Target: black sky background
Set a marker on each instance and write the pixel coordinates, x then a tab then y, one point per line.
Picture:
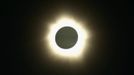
24	19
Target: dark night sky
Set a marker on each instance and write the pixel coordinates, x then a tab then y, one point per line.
25	31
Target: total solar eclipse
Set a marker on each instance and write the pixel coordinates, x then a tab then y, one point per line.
66	37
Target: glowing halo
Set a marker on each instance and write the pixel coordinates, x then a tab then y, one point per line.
77	49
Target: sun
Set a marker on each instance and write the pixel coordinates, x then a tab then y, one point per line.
77	50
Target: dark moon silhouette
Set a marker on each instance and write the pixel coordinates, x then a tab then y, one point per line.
66	37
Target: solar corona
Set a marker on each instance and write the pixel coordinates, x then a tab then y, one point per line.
67	38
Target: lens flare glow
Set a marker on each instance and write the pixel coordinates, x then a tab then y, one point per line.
73	52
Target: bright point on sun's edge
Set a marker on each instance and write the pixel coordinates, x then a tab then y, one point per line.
78	49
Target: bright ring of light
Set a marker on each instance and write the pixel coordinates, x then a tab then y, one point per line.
77	49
